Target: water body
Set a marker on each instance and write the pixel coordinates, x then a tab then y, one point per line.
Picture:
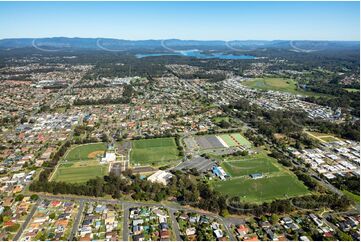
200	55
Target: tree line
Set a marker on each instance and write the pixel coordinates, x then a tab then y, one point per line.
187	190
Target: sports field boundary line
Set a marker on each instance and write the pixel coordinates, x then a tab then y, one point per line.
246	160
80	145
222	141
54	172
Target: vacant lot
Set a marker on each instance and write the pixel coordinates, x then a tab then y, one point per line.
85	152
79	174
149	151
322	137
277	84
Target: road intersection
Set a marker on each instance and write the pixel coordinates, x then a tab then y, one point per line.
172	208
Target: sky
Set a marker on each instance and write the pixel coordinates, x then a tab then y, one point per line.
182	20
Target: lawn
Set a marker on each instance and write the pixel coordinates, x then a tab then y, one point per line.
277	84
220	119
277	182
235	139
148	151
264	189
246	166
85	152
79	174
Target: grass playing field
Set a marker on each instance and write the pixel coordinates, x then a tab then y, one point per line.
264	189
235	139
277	181
79	174
81	164
248	165
85	152
148	151
277	84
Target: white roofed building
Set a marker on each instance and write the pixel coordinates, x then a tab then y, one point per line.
162	177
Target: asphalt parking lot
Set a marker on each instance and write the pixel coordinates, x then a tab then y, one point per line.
208	142
200	163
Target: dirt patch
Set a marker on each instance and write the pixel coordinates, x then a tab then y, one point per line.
94	154
143	169
279	136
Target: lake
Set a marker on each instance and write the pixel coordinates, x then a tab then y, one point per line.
200	55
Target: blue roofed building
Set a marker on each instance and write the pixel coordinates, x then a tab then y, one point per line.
256	176
219	172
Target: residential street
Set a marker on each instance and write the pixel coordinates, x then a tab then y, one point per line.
126	205
27	220
77	221
174	224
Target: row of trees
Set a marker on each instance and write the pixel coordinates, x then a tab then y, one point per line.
288	205
351	184
188	190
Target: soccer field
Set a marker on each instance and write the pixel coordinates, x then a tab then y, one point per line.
264	189
85	152
246	166
149	151
276	183
79	174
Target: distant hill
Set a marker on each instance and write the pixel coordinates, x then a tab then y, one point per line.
120	44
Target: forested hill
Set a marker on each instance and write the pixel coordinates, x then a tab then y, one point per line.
99	43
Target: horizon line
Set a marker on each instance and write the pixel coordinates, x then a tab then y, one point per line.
151	39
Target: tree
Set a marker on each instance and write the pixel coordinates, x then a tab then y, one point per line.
19	197
52	215
274	219
343	236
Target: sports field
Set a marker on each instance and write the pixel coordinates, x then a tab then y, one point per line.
85	152
264	189
147	151
79	174
250	164
277	84
81	164
277	182
235	139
